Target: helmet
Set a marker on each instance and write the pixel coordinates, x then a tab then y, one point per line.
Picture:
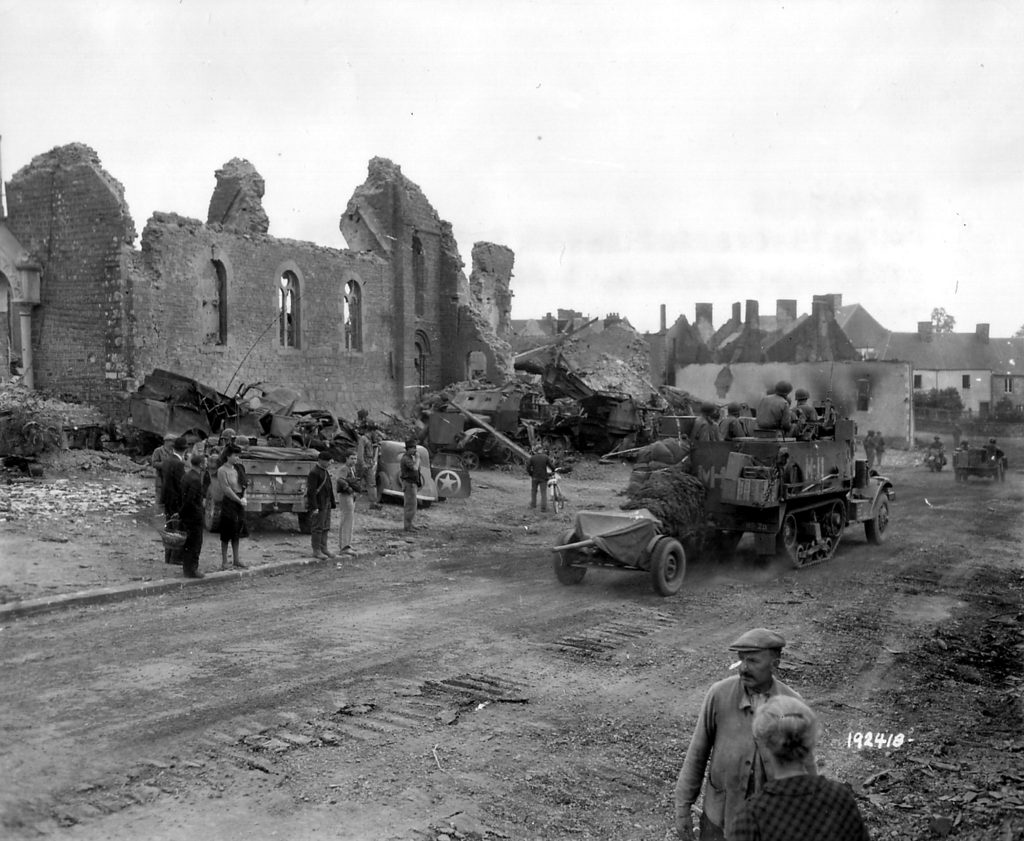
801	394
707	408
991	440
733	408
783	388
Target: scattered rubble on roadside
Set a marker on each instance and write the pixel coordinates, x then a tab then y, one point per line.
65	499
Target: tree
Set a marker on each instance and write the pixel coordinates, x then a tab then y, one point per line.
1020	332
942	321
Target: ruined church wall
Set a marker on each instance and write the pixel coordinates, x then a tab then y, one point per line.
173	286
72	217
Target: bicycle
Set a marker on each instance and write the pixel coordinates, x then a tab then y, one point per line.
555	495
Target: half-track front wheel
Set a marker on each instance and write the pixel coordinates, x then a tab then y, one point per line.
668	566
878	525
564	571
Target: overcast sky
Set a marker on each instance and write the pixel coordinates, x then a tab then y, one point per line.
631	154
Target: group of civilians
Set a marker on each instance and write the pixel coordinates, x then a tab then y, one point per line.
182	481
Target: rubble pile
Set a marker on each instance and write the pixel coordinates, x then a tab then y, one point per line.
64	499
32	421
673	496
615	358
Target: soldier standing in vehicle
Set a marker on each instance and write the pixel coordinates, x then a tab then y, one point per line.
409	475
805	416
773	410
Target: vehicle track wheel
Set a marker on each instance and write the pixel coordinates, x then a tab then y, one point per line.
470	460
564	571
875	529
668	566
787	540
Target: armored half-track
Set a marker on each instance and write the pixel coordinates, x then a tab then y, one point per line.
795	496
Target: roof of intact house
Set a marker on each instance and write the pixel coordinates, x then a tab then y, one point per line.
954	351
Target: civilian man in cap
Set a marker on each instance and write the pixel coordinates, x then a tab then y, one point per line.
773	410
173	471
704	427
409	475
723	744
160	456
730	426
320	500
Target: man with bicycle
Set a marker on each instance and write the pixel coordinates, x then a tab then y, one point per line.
537	468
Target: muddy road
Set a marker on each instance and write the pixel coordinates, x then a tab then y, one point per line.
448	687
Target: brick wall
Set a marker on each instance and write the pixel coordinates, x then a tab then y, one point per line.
72	216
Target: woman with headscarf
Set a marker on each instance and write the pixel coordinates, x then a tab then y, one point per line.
232	506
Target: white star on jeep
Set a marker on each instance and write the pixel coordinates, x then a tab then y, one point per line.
448	480
278	474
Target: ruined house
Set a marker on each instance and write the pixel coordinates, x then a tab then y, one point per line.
224	302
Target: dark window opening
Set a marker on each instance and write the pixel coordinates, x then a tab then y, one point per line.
965	381
863	394
917	381
222	302
476	365
288	310
419	276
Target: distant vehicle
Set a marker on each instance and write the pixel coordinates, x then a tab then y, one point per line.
979	461
387	483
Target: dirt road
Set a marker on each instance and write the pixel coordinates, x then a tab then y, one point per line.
448	687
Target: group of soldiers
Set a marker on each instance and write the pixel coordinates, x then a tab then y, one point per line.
774	412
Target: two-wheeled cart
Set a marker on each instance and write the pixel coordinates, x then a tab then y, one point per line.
630	540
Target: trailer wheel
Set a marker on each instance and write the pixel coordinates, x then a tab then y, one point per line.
668	566
564	572
878	525
470	460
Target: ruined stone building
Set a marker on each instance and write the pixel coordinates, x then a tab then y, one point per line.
88	315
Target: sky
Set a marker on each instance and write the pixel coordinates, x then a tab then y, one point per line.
632	154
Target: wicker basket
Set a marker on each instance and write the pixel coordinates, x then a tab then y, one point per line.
173	539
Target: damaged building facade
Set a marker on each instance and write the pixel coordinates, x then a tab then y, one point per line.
88	314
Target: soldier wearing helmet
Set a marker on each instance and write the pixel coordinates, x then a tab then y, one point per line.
730	426
805	416
773	410
704	427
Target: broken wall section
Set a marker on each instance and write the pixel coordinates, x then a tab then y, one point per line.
71	215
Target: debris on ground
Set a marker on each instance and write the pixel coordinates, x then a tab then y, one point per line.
65	499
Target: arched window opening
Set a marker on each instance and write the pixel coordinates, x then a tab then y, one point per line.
222	302
419	276
352	316
476	365
288	310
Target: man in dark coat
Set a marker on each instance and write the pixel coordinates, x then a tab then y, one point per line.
320	500
409	476
537	468
173	471
192	497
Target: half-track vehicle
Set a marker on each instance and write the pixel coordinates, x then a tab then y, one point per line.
796	497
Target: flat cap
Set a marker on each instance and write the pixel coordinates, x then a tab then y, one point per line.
757	640
170	436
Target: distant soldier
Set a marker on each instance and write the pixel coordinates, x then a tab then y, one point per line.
731	426
869	448
879	447
773	411
704	428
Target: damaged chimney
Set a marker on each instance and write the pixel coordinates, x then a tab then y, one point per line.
785	313
736	313
981	333
664	325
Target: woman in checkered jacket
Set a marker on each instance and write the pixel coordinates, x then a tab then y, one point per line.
792	803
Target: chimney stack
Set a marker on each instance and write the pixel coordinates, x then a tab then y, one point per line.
753	315
736	317
924	331
785	313
981	332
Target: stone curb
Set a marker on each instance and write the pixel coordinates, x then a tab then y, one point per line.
123	592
